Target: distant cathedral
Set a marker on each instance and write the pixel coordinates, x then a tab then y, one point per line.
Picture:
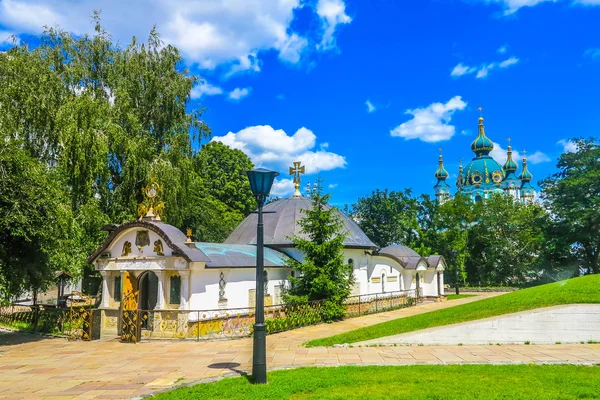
483	175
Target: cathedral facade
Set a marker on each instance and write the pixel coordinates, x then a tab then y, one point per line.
483	175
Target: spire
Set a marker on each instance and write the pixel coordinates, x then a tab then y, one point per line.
510	165
442	189
525	174
441	173
482	145
460	179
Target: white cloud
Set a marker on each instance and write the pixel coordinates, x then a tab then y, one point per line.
588	2
502	49
499	154
7	37
238	94
282	187
512	6
332	13
276	149
465	132
568	146
508	62
430	124
292	48
594	53
461	70
205	89
370	106
332	185
230	34
483	70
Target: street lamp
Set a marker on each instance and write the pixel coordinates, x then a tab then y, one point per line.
455	254
261	180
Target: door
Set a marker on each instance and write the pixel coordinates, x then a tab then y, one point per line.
130	332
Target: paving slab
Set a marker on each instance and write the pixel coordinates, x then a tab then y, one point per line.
113	370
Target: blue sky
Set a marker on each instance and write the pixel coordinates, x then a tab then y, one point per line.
290	80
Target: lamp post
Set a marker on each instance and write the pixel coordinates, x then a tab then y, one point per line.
455	254
261	180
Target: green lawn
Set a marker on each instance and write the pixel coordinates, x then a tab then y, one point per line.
411	382
459	296
578	290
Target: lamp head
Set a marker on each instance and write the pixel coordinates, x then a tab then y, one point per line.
261	181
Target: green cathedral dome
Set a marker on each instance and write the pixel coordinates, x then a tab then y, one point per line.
482	145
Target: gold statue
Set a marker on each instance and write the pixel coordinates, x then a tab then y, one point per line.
151	208
158	248
189	235
126	249
296	170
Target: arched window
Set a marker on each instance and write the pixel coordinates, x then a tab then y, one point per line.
117	289
351	263
175	292
478	199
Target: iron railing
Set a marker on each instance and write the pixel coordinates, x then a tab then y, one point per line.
237	322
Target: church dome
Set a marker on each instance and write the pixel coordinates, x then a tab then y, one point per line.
482	145
283	223
483	171
510	165
441	172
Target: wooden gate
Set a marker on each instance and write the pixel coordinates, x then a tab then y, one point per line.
130	327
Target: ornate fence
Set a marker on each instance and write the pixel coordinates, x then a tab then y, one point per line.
237	322
74	322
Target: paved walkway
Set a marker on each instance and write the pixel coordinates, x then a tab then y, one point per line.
33	367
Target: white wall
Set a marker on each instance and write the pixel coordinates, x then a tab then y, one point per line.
116	247
238	284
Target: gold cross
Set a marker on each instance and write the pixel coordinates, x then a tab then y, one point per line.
480	109
440	150
508	140
296	170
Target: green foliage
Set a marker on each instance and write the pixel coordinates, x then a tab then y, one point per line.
90	122
324	274
417	382
582	290
387	217
37	230
573	197
295	316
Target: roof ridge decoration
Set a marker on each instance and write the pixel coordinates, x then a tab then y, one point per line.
296	170
150	208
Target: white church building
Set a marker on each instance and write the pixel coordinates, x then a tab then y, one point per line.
160	268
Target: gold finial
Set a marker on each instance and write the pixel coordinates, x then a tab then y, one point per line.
296	170
480	109
151	208
440	157
188	233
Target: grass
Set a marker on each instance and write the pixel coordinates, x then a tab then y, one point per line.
408	382
578	290
459	296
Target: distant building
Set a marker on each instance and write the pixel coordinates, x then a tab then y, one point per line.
483	175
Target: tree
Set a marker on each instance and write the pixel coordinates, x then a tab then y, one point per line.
388	217
102	120
222	171
37	230
324	275
572	196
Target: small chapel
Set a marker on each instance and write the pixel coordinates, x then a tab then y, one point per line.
148	264
483	175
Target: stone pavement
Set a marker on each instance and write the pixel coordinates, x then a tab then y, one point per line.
34	367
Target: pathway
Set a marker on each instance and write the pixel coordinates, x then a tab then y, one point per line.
47	368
